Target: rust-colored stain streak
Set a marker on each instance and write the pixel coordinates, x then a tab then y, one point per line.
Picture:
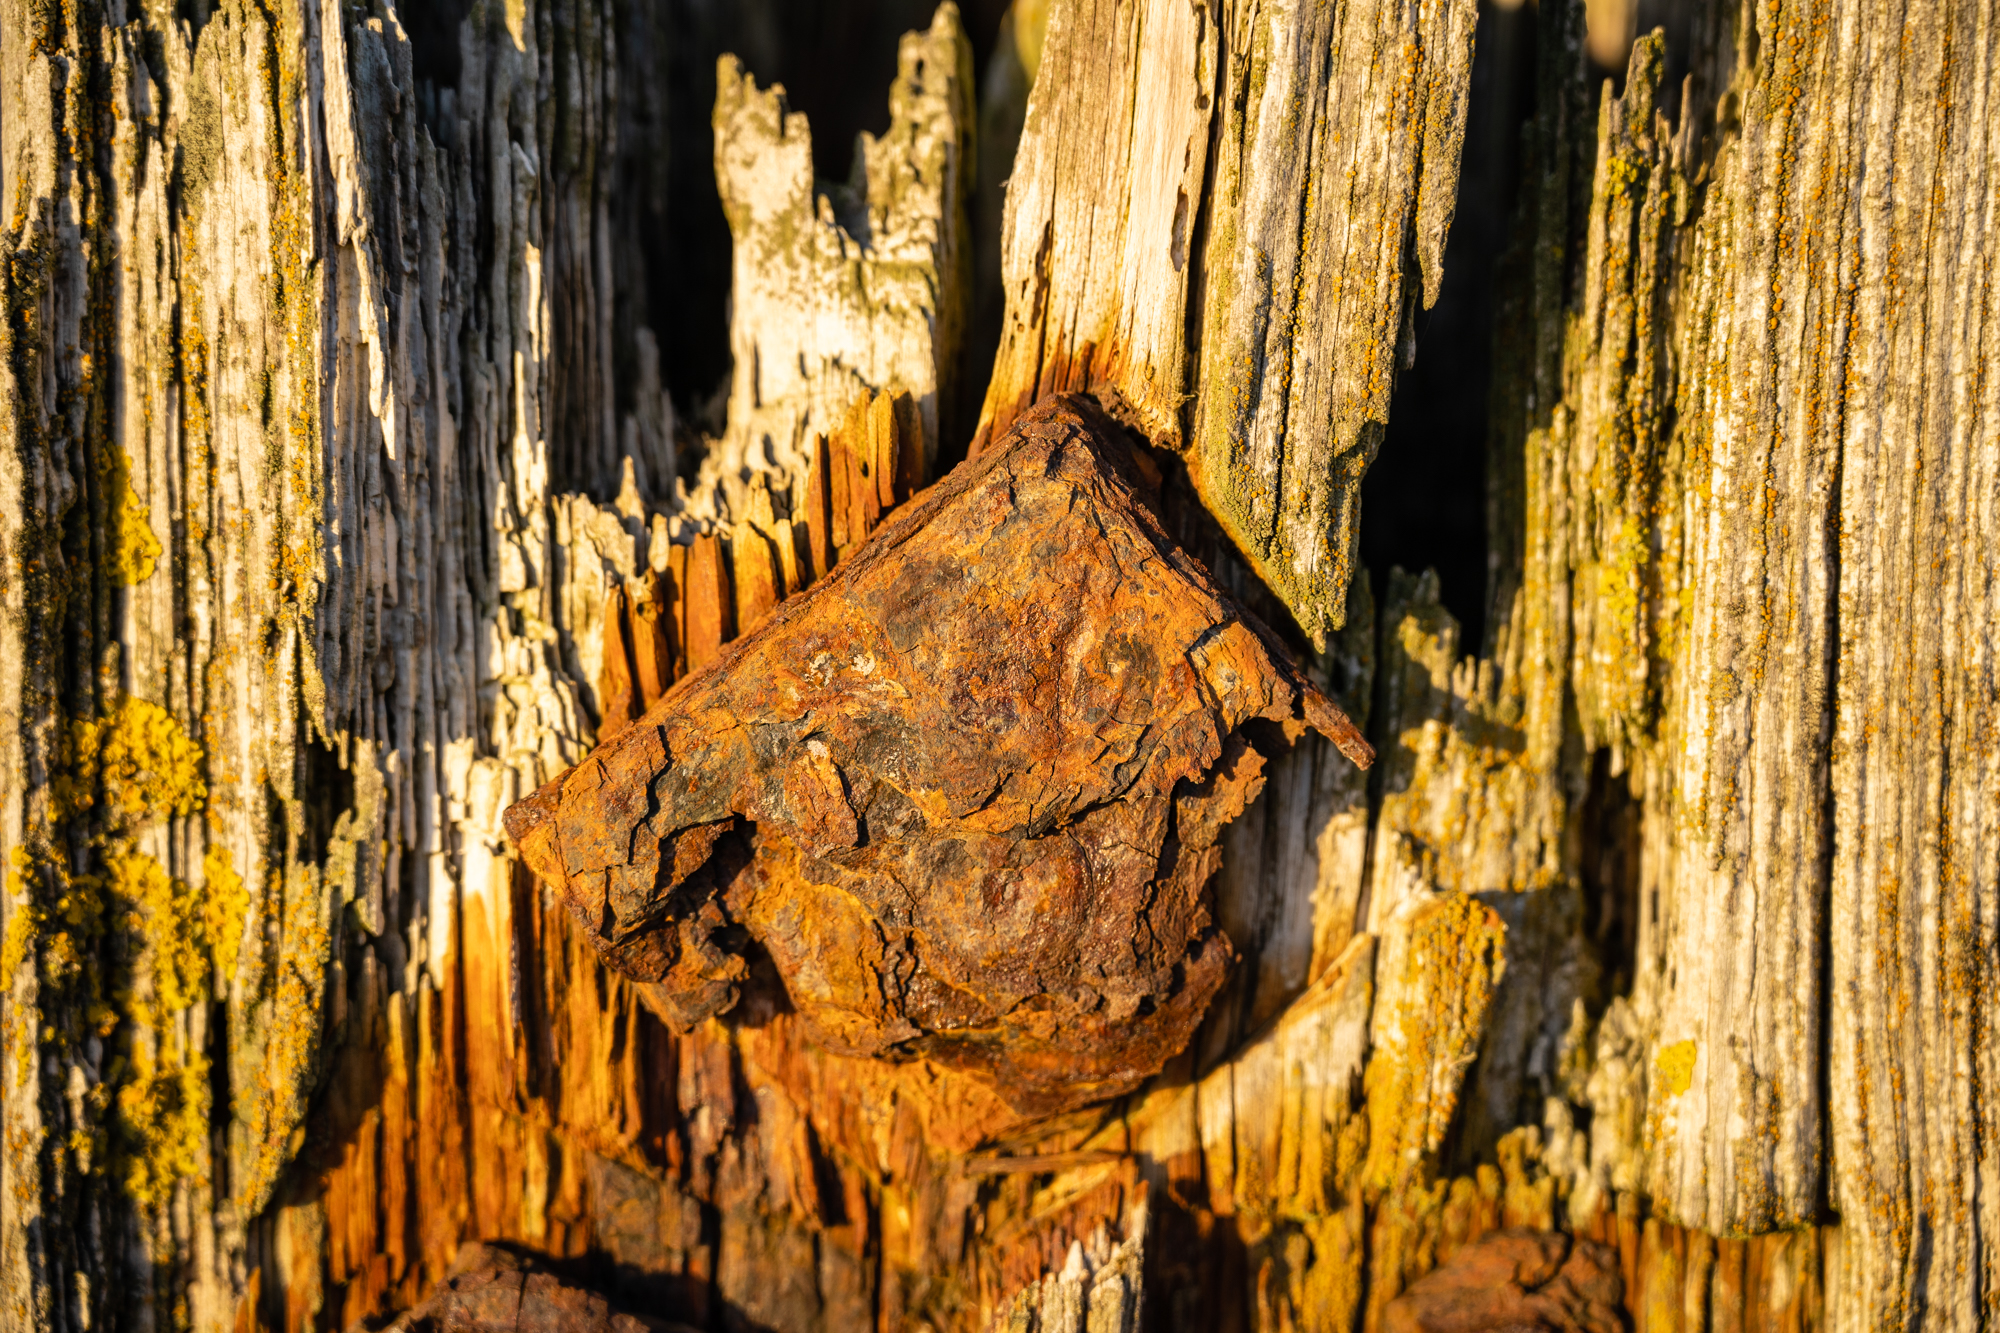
966	792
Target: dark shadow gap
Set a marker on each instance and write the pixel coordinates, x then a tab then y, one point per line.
433	30
1423	502
1609	865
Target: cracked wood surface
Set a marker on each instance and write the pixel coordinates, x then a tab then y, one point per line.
305	351
1744	530
1901	295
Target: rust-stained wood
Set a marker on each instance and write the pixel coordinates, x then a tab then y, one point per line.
711	602
1514	1279
491	1290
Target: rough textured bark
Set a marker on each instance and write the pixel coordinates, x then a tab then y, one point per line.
344	506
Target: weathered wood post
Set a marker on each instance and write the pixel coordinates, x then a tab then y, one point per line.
346	503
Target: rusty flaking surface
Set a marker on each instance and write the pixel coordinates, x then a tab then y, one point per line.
492	1289
1516	1281
966	792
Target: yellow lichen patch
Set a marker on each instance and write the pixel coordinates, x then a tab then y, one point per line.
135	551
1620	174
1350	1152
1309	1273
169	917
1332	1287
276	1085
1528	1191
225	904
1453	961
145	764
1403	1244
162	1122
24	927
162	1102
1618	577
292	293
1676	1066
26	920
65	923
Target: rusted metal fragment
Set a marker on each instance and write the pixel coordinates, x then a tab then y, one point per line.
979	775
1518	1281
494	1290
